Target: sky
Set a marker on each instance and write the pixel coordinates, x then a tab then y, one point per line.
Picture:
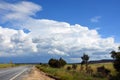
37	30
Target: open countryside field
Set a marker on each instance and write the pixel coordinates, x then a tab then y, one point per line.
64	74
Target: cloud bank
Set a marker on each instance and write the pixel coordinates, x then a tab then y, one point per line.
48	38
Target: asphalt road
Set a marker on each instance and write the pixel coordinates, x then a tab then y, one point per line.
13	73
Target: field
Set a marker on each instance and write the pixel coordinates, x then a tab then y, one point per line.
8	65
107	65
94	67
64	74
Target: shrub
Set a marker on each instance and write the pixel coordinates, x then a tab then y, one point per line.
68	68
90	70
102	71
115	77
74	66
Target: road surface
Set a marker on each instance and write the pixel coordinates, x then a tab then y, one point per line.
13	73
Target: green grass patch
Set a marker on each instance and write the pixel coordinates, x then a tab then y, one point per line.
7	65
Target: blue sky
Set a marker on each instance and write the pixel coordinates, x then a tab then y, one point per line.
46	25
81	12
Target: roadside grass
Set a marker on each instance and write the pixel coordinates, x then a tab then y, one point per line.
64	74
94	67
6	65
106	65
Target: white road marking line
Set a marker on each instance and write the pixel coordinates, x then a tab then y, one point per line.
18	74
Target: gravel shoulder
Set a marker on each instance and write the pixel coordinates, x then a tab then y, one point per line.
35	74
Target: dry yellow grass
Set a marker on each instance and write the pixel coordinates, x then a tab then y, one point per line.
94	67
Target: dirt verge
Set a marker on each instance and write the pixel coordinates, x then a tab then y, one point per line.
35	74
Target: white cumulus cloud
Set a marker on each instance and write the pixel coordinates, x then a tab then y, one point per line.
15	43
49	37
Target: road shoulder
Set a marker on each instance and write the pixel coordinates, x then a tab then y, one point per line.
35	74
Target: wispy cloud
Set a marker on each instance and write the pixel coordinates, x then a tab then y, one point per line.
18	10
95	19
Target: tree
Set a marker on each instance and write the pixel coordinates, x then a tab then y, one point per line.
55	63
85	59
113	54
62	62
116	63
119	48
